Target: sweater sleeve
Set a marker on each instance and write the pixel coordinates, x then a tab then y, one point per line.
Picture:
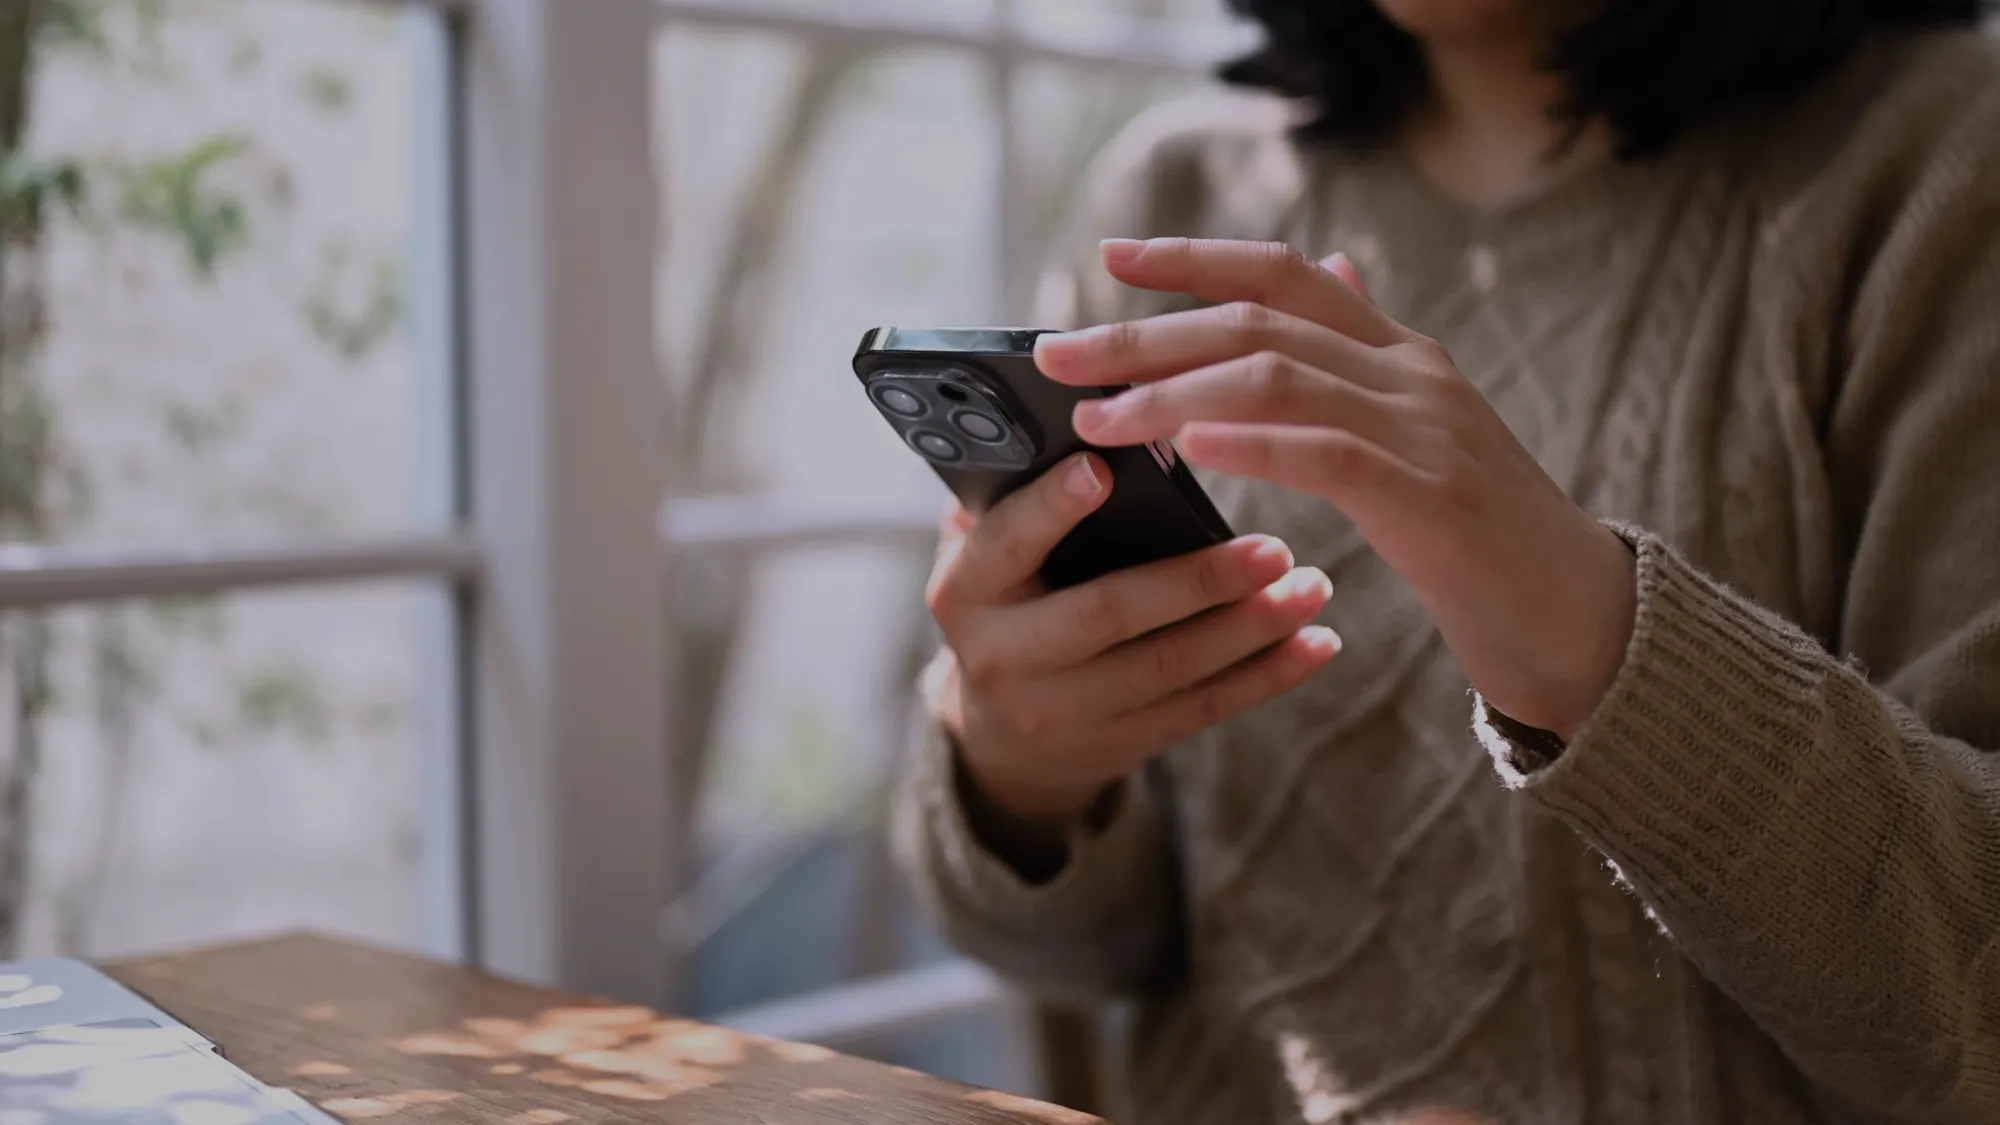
1821	835
1099	930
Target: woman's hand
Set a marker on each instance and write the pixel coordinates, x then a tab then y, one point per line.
1295	377
1052	696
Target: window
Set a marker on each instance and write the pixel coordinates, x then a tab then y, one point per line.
427	517
210	387
885	163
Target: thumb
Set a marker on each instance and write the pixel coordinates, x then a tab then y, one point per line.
1341	266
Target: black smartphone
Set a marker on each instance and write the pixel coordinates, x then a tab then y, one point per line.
972	403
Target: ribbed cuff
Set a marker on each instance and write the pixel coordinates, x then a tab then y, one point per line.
1694	750
1094	881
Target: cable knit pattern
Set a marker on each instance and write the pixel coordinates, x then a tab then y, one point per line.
1763	883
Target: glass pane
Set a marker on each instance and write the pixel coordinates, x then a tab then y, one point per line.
841	191
838	191
193	770
1195	29
224	353
855	11
1064	116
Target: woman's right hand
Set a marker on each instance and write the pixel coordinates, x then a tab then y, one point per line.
1053	696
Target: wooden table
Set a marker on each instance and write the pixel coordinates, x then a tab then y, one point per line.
378	1036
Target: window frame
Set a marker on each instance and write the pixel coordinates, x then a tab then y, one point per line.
548	852
857	1014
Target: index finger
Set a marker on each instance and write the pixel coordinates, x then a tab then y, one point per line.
1271	274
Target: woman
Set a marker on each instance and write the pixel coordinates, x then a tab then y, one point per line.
1654	396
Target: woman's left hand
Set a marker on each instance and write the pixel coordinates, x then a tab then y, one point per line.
1295	377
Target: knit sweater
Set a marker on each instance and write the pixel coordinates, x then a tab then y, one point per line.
1762	883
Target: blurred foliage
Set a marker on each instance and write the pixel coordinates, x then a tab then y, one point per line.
85	25
29	185
352	333
71	23
197	616
206	201
176	196
327	89
286	698
27	441
197	429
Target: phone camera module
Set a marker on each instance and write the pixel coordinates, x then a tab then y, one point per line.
937	447
979	427
900	402
955	394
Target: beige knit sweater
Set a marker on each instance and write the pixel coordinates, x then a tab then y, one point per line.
1763	883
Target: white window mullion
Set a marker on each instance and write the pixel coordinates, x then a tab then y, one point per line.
568	425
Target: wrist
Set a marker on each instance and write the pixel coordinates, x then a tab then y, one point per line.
1614	609
1035	845
1020	796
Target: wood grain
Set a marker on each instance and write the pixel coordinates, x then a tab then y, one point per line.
377	1036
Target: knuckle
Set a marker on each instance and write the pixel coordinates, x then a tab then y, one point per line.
1032	721
1016	552
1211	578
1284	260
1273	377
1428	355
1214	705
1120	338
938	601
1099	615
1166	665
1250	321
981	669
941	592
1347	459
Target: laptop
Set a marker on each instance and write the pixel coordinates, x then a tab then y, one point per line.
78	1048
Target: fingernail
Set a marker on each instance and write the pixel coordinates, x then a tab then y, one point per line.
1302	583
1080	479
1319	640
1270	551
1335	260
1118	251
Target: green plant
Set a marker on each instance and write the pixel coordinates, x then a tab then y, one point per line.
327	89
353	333
204	199
29	185
286	698
176	196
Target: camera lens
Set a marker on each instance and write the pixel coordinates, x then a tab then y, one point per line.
937	447
979	426
896	400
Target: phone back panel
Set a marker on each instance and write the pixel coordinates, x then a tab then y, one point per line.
1156	509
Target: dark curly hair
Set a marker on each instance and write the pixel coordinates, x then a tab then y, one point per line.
1652	69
